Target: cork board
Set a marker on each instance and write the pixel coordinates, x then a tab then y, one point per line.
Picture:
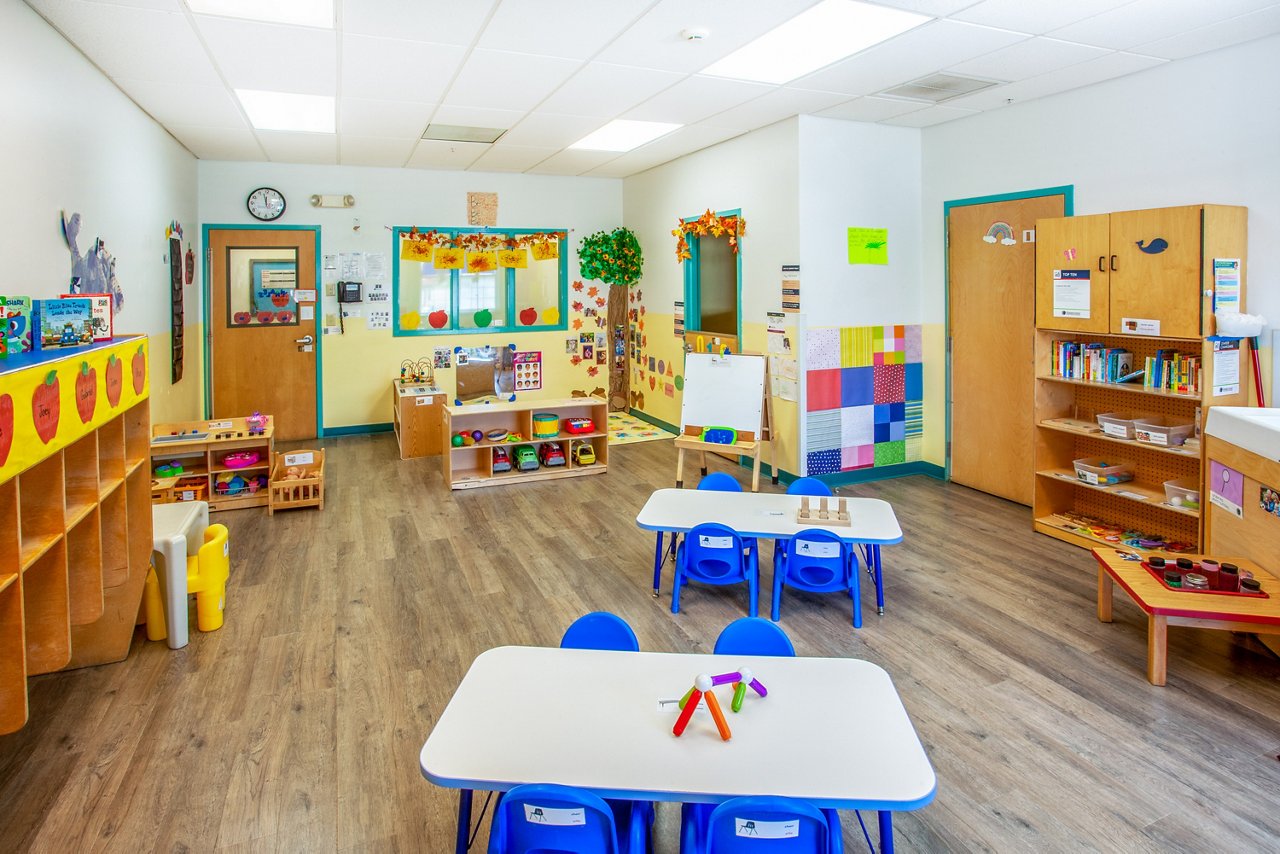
482	209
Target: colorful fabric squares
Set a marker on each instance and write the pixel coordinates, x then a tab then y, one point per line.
890	453
914	342
857	426
823	462
857	457
856	347
915	448
890	383
883	413
913	417
823	349
823	389
857	386
914	382
823	430
882	432
897	431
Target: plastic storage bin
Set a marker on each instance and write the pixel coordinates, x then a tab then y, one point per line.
1118	425
1183	492
1099	472
1168	432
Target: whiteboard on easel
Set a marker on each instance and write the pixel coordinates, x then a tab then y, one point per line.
723	391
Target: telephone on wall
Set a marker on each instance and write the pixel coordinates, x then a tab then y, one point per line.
350	292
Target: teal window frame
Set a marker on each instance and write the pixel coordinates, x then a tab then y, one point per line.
455	278
693	278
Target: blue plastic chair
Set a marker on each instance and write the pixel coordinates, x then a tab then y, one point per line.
528	819
600	630
754	824
753	636
720	482
714	554
817	561
809	486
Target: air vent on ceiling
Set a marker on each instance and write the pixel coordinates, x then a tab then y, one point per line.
937	88
462	133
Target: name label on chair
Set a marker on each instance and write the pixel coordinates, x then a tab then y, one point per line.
552	816
813	549
715	542
765	829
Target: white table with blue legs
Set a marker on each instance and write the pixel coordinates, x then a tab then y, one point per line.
832	731
177	531
768	516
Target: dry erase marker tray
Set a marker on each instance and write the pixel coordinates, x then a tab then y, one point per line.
1158	574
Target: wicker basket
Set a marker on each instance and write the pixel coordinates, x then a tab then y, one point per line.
306	490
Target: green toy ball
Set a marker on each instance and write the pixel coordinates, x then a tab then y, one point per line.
456	441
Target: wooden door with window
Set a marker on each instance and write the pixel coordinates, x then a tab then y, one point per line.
991	270
262	338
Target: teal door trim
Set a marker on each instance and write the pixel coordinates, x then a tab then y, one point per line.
692	300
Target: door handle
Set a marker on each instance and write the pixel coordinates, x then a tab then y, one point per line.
305	339
1102	263
1113	263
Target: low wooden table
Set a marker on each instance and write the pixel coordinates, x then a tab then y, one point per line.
1166	607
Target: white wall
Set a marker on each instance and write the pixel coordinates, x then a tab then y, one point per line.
72	141
358	365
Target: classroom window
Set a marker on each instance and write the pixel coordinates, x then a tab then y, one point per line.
713	284
500	280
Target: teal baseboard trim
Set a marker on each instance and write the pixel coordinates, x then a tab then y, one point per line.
357	430
656	422
845	478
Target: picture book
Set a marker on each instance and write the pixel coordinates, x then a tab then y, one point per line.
103	323
15	325
63	322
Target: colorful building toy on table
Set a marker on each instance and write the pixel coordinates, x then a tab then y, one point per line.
702	685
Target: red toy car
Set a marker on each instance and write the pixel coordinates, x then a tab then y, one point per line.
501	459
551	455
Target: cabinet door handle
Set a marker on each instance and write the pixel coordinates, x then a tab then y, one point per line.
1113	263
1102	263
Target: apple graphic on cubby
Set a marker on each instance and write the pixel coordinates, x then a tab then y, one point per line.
86	392
139	370
45	406
6	427
114	379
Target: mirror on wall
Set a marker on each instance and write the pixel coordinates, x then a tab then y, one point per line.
484	372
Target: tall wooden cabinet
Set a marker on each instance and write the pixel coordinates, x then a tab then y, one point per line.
75	511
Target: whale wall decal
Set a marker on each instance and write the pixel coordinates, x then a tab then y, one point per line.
1155	247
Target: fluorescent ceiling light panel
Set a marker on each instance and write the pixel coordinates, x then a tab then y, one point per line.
305	13
462	133
623	135
817	37
286	111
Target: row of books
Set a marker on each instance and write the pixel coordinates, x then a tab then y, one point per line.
1075	360
28	325
1172	371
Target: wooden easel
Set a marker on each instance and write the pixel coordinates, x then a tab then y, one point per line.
748	444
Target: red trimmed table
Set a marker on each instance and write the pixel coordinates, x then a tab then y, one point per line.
1165	607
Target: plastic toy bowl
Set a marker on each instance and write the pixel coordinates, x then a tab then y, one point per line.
497	435
240	459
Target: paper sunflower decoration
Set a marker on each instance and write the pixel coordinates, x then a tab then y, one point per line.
708	224
614	257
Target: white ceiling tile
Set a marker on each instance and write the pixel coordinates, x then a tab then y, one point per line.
913	54
775	106
455	23
394	119
613	169
695	97
1027	59
476	117
550	129
141	44
1035	16
929	116
1245	28
1072	77
872	109
572	162
655	42
684	141
433	154
511	81
1152	20
937	8
566	28
161	5
289	147
604	90
395	69
271	57
211	143
512	158
184	104
354	150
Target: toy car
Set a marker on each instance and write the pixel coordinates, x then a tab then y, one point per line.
501	459
551	455
526	458
583	454
579	425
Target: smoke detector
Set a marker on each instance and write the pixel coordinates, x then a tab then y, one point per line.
694	34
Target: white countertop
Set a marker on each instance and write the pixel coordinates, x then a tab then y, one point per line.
1249	427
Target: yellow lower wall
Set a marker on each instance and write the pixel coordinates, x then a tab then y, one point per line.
184	401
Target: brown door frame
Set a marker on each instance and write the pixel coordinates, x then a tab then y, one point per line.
1067	192
206	299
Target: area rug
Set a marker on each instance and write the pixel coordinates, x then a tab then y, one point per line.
625	429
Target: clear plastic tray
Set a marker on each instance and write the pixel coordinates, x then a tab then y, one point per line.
1099	472
1183	492
1118	425
1169	432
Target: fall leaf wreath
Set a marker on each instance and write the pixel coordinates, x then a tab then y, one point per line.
708	224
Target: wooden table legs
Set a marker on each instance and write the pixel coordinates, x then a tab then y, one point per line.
1105	585
1157	649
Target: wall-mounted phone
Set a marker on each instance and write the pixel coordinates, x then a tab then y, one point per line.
350	292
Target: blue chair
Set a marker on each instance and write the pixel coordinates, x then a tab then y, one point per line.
753	636
754	825
721	482
714	554
540	817
809	486
817	561
600	630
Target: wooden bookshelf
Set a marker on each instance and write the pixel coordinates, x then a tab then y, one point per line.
202	457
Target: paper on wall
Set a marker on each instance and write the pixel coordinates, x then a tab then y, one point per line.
351	266
1226	285
1226	368
378	318
375	267
1071	293
329	269
783	388
306	312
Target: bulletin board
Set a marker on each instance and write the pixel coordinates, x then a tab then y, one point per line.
723	391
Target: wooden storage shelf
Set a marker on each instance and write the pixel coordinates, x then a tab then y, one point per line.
1130	490
1176	450
1128	387
206	453
416	418
75	538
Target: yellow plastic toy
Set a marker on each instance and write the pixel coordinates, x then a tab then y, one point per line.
207	574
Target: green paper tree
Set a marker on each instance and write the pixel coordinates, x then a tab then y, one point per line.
611	257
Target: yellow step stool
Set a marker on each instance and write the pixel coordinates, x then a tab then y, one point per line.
207	574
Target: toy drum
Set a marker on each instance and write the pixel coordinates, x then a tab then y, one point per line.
546	425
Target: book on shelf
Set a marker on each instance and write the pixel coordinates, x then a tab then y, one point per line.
1094	362
1170	370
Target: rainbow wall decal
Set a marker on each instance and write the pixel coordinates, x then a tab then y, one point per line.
1001	232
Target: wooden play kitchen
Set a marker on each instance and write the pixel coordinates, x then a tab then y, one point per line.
226	462
1163	592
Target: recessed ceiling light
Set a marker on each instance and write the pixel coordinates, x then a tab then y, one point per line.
462	133
623	135
814	39
306	13
286	111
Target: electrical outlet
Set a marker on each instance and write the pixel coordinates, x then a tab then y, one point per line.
331	290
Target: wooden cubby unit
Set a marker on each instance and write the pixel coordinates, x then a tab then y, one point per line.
203	458
472	466
75	522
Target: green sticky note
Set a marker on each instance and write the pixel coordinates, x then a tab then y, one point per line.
869	246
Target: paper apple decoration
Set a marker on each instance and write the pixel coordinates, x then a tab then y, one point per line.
529	316
44	407
241	318
114	379
266	316
6	426
279	300
438	319
284	316
551	316
410	320
139	371
483	318
86	392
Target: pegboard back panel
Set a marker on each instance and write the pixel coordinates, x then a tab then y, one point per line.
1151	467
1090	401
1137	515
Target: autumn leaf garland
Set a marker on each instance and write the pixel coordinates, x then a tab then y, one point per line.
708	224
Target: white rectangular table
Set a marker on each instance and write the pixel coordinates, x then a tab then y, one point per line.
832	731
177	531
766	516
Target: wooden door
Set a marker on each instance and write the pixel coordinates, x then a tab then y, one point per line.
1078	247
992	328
1155	270
263	340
